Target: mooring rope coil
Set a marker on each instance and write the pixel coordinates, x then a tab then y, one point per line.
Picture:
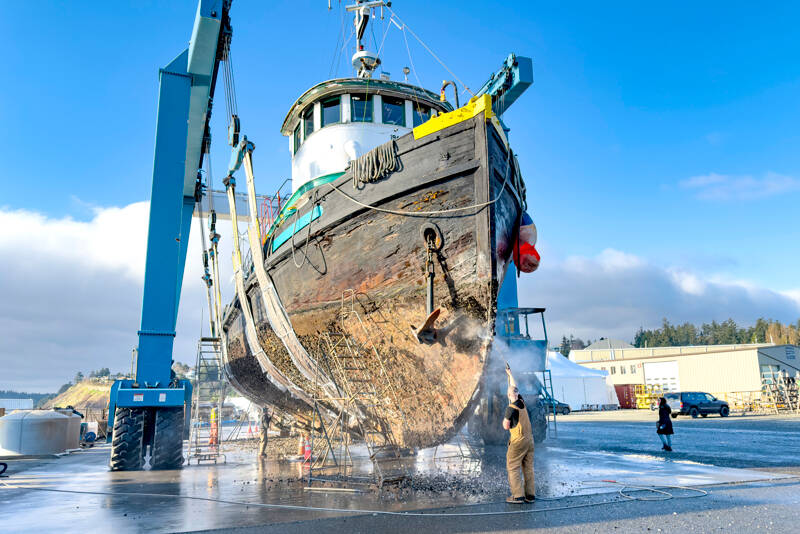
378	163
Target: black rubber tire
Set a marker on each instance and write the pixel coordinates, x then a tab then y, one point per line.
565	411
674	415
538	418
167	449
694	412
487	423
126	440
724	411
149	415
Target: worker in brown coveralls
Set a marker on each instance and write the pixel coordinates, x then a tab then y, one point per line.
520	446
266	417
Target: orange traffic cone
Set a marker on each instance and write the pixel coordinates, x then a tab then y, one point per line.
249	430
213	438
307	449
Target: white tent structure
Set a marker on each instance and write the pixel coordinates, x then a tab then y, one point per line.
580	387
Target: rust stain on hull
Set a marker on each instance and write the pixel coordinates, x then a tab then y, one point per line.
427	392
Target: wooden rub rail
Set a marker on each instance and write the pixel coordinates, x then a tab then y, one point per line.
273	373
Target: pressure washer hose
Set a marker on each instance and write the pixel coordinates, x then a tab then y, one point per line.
660	490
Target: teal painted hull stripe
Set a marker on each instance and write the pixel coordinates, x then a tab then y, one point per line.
288	206
301	223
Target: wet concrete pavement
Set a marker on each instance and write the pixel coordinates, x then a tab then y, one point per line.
571	467
735	441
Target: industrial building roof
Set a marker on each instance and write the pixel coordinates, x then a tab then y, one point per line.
604	343
590	354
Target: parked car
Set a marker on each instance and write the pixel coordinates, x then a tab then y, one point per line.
696	403
560	407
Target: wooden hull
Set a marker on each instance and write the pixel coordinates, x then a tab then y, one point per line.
371	264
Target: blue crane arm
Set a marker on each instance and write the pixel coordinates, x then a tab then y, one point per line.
186	87
508	83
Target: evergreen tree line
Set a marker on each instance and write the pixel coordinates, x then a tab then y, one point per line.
714	333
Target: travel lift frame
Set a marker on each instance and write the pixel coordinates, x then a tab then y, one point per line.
153	408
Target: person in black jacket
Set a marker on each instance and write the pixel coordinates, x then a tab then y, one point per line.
664	426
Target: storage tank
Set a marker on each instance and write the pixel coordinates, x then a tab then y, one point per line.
33	432
72	438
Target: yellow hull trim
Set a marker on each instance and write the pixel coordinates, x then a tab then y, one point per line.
473	108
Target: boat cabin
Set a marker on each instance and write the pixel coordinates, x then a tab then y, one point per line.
340	120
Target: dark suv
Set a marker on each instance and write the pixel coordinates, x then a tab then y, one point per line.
696	403
560	407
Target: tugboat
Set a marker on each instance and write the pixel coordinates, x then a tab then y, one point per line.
375	287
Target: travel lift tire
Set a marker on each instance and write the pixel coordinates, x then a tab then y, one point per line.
487	422
538	419
147	435
167	449
126	441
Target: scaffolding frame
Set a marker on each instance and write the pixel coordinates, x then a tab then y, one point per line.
346	363
209	396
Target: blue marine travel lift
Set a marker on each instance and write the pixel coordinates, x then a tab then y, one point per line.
153	408
515	329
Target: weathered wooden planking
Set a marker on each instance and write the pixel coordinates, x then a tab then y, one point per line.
430	390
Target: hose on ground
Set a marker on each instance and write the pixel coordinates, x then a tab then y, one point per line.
626	497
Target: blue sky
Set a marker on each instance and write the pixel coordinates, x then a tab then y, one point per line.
666	134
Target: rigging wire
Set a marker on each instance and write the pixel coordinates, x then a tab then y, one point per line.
341	51
339	39
430	51
385	33
413	68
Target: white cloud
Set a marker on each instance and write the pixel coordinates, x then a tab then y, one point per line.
793	294
715	186
614	293
72	294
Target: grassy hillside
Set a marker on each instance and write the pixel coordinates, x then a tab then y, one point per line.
92	394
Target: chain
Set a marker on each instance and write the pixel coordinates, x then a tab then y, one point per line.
429	240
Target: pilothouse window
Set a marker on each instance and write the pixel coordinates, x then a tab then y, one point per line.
308	122
331	111
296	136
394	111
361	108
421	114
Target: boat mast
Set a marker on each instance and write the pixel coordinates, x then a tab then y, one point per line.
365	61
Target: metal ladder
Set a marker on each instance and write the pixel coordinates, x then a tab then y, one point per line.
549	398
330	435
348	362
209	395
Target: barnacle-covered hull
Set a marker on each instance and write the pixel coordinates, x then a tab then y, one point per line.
353	282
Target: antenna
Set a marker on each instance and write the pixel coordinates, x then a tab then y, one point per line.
365	61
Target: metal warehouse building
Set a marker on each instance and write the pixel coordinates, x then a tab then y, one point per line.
714	369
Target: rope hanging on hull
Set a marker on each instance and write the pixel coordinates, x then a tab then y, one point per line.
378	163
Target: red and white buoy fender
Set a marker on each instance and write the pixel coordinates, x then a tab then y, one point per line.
526	257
